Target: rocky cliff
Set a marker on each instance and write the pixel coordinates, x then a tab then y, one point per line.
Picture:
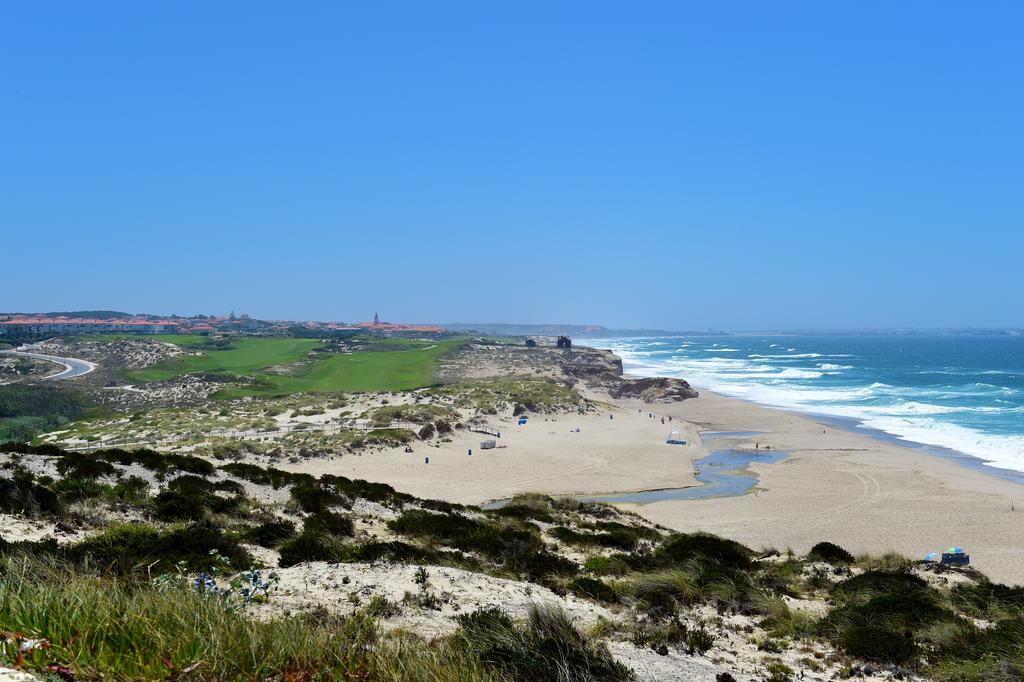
604	369
653	390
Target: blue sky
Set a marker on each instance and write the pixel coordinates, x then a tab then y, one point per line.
733	165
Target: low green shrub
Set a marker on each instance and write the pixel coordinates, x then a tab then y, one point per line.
593	589
174	505
389	437
877	582
276	478
546	647
887	626
786	622
830	553
128	549
704	548
524	511
20	494
78	489
989	600
85	467
639	531
311	546
190	484
315	497
517	547
133	489
271	533
159	462
367	490
695	583
623	539
606	565
329	522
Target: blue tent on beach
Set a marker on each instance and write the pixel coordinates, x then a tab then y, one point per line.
954	556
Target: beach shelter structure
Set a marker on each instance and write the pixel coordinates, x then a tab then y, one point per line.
675	438
955	556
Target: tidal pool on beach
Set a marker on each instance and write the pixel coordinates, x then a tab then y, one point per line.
723	472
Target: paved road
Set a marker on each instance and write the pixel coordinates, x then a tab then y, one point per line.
73	367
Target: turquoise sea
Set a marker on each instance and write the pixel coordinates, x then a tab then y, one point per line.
954	394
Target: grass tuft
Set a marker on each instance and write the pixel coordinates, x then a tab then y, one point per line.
546	647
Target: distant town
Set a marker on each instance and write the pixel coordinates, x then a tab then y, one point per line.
111	322
25	325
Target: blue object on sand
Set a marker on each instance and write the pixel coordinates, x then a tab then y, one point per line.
955	556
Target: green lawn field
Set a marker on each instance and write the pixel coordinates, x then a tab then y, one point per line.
403	365
245	357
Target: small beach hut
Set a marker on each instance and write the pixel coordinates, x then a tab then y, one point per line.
675	438
488	445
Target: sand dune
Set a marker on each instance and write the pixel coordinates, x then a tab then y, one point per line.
863	493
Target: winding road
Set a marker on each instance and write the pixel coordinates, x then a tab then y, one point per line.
73	367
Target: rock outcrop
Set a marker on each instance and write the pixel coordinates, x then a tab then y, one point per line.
591	364
653	390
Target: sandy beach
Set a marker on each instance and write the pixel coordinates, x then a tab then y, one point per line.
864	493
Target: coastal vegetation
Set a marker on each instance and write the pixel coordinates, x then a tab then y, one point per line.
226	511
157	535
283	366
492	396
28	409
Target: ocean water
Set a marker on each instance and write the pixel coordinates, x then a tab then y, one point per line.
961	393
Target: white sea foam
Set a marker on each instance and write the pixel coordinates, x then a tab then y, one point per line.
951	415
786	356
794	373
1002	451
911	420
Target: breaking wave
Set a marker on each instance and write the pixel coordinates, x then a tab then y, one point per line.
910	388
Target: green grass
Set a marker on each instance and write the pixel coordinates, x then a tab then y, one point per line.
367	371
404	366
245	357
108	629
26	411
546	647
